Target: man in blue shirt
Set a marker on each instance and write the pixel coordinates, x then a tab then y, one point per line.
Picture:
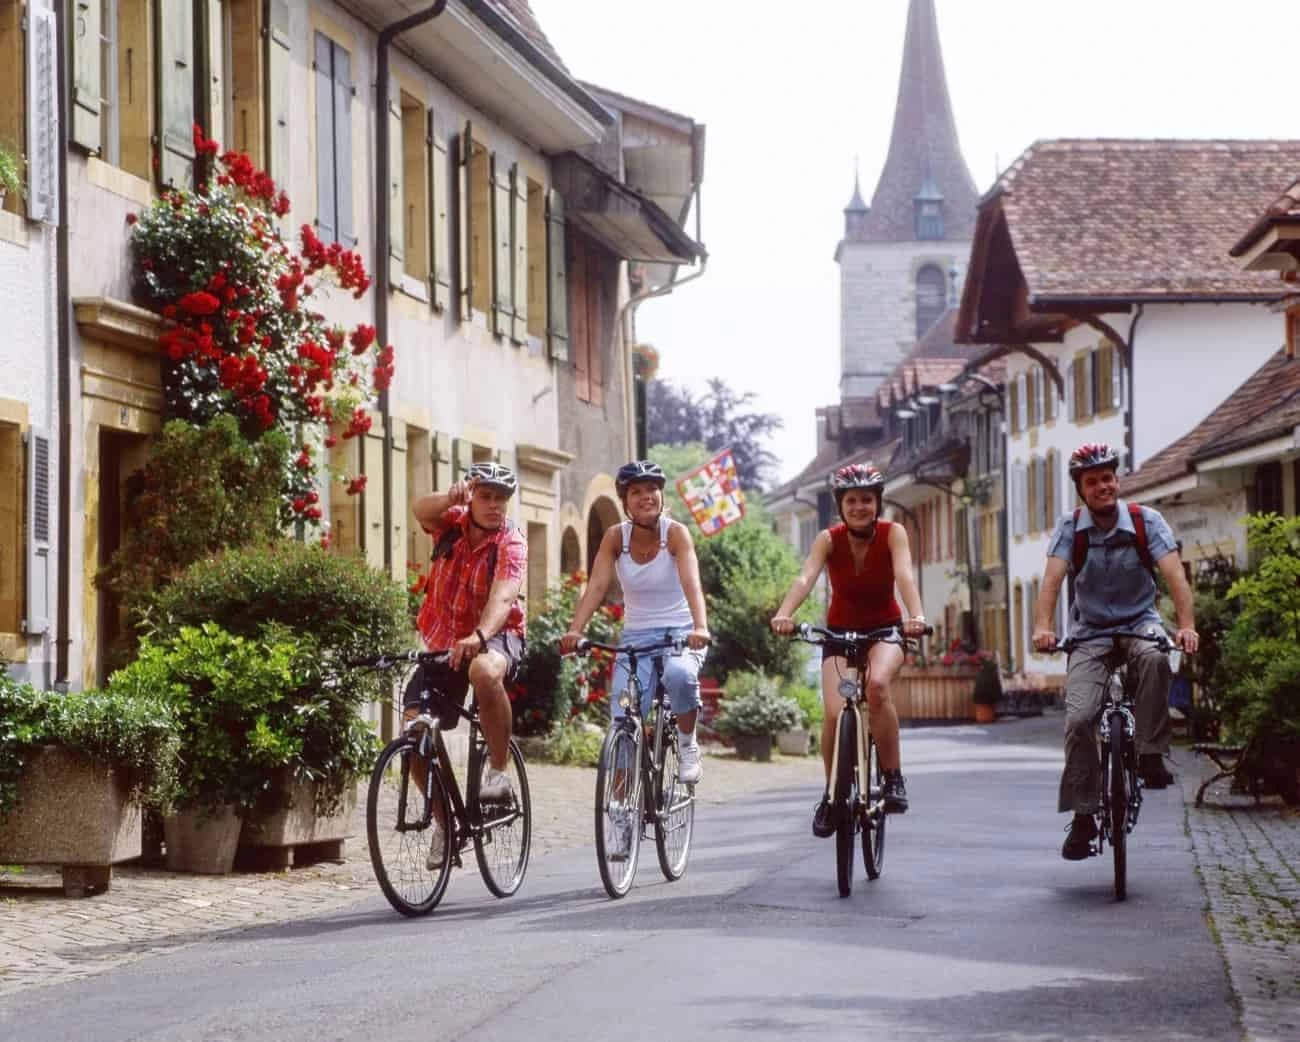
1114	592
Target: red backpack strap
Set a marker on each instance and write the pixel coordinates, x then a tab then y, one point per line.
1079	548
1140	534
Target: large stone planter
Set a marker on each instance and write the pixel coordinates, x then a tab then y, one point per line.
289	832
72	812
793	742
202	841
753	746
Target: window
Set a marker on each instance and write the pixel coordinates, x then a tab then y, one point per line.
931	293
929	218
414	214
332	74
474	164
13	114
807	533
1267	489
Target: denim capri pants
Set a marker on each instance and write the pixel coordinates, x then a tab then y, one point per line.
681	672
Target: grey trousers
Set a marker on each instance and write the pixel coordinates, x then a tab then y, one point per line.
1148	679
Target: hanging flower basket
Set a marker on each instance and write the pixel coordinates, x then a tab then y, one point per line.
645	361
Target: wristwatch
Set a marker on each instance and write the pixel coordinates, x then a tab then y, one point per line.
482	641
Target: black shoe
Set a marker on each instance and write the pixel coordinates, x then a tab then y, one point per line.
1155	775
824	819
1078	844
895	793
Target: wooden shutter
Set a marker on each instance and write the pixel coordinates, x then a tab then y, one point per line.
557	280
1053	486
1090	384
462	456
595	284
442	479
1032	399
213	70
37	618
42	117
1070	411
343	145
465	215
326	199
86	74
519	240
502	253
396	197
1116	380
279	90
439	240
175	81
247	71
1031	513
580	335
1013	404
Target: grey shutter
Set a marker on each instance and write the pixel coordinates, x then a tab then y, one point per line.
557	300
343	145
213	94
1019	481
278	90
1070	410
1090	384
42	117
519	238
176	94
1116	379
462	456
396	197
86	74
326	197
1023	418
439	242
442	478
37	618
465	212
502	255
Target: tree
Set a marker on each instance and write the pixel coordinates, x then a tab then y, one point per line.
720	418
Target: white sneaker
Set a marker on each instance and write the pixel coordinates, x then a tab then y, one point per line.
495	786
437	847
689	768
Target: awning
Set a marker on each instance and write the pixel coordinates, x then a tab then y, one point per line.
618	217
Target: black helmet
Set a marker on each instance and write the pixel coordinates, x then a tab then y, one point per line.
639	470
857	475
1090	457
493	475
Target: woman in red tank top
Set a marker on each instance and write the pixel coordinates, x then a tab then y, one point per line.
866	558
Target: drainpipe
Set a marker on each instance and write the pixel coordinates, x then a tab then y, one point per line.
1128	408
62	297
381	280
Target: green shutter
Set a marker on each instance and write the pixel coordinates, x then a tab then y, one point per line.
86	74
1013	404
465	211
343	145
442	478
396	200
176	94
462	456
439	241
326	199
502	255
212	97
278	90
557	331
519	241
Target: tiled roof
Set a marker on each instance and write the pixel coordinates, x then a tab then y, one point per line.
829	459
521	14
1139	219
1266	405
1285	207
934	359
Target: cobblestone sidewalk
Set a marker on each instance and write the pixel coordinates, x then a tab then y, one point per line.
47	939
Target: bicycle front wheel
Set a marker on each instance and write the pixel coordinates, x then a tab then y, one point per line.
873	823
1118	809
618	809
674	810
408	829
504	836
844	798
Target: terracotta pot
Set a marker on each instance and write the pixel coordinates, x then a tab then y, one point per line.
984	713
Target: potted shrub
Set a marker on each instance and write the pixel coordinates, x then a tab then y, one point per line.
988	690
752	711
75	771
11	174
796	741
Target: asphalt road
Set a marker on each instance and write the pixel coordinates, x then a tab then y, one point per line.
977	930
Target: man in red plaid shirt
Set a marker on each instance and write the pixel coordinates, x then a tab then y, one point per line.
471	605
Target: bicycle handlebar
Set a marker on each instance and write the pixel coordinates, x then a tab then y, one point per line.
1159	639
884	635
392	658
674	644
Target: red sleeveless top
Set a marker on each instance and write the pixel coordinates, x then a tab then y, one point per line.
862	600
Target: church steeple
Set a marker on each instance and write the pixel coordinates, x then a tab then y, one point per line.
855	214
925	183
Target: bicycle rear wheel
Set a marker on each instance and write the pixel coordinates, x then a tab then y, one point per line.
873	823
400	823
1118	808
618	808
844	798
502	843
674	809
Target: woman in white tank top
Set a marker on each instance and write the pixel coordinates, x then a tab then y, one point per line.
654	559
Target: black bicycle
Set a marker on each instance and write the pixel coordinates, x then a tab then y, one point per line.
417	824
636	780
857	778
1121	783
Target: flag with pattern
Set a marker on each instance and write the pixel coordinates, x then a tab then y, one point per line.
712	493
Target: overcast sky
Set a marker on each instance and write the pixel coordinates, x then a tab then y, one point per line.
791	93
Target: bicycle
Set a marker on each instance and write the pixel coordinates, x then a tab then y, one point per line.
400	815
632	763
1121	783
855	758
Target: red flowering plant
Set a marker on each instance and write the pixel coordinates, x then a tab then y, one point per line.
960	654
242	337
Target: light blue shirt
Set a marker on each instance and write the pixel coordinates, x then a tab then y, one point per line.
1114	591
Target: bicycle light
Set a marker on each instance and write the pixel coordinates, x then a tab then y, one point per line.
848	687
624	699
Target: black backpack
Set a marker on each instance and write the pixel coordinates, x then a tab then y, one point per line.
447	541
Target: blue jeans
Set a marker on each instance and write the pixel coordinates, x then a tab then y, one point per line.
681	672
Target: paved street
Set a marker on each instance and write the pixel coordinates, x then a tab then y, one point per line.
977	929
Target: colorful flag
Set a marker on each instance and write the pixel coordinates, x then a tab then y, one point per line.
712	493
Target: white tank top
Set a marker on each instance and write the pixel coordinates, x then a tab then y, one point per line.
653	597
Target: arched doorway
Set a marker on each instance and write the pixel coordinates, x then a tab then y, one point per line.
570	551
603	513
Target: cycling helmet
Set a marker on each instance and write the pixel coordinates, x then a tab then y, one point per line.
1090	457
857	475
493	475
639	470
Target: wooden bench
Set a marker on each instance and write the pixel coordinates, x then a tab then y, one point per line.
1231	760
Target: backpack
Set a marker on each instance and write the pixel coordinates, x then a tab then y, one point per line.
1079	550
446	542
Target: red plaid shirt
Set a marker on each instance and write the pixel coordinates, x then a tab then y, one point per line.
458	585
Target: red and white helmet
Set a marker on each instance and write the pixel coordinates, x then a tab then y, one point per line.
1090	457
857	475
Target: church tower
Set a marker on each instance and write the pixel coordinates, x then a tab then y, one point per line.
901	258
